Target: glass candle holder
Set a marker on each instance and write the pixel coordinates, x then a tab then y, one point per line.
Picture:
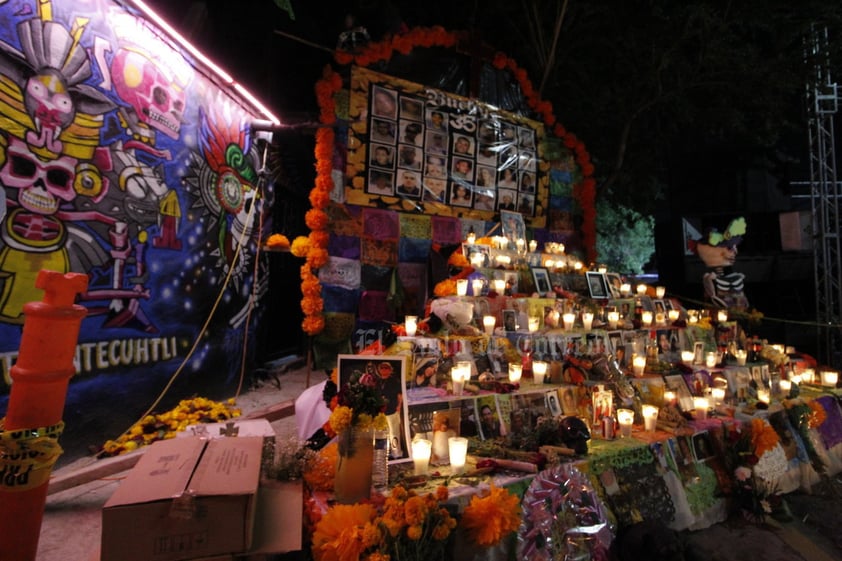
638	365
722	316
515	372
462	287
625	418
701	405
710	359
650	417
829	378
458	448
786	386
687	357
625	289
421	451
613	319
673	315
641	289
717	395
488	322
539	371
457	378
534	323
533	246
646	318
742	356
568	320
587	320
410	324
476	287
660	291
499	286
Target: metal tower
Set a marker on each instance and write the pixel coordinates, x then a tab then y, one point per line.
822	103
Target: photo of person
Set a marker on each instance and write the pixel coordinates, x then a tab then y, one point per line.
411	132
434	166
512	225
380	183
436	143
526	161
486	155
507	179
408	184
526	138
468	425
485	177
383	130
508	133
462	145
510	321
489	421
382	156
506	199
553	403
460	194
463	169
507	157
526	204
569	401
411	108
527	182
409	157
434	190
436	121
484	199
384	103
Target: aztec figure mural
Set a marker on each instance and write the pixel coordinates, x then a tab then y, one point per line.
122	160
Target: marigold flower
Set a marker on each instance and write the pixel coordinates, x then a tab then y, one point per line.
278	241
489	519
340	418
447	287
817	414
414	532
312	305
316	219
317	257
763	436
320	472
338	535
300	246
319	238
313	324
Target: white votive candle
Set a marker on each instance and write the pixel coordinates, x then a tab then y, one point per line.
786	386
710	359
741	355
673	315
476	287
499	286
533	246
808	376
641	289
764	395
718	395
515	372
660	291
650	417
587	320
625	418
568	320
646	318
687	357
613	319
625	289
488	322
421	450
722	316
457	378
539	371
462	287
701	404
638	365
669	397
829	378
410	324
534	323
458	448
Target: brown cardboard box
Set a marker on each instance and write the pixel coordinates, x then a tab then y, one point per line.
237	428
186	498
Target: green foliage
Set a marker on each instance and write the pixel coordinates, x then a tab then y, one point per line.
625	239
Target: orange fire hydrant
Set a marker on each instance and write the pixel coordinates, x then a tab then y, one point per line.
29	440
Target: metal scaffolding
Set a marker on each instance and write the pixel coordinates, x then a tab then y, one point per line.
822	103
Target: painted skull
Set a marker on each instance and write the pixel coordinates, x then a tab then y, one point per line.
43	185
158	101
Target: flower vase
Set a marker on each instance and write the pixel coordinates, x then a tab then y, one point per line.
354	465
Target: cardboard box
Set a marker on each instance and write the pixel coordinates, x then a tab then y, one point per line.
186	498
238	428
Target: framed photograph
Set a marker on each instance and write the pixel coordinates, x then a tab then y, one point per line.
702	446
553	403
513	226
478	255
699	352
542	281
569	396
625	307
490	424
677	384
614	284
510	321
391	373
597	285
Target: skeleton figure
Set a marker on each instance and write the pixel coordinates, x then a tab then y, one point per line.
723	286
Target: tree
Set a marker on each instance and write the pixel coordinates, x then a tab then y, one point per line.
625	239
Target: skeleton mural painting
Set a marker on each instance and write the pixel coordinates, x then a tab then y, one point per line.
118	159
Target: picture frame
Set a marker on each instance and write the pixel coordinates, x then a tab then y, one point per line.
512	225
677	384
392	371
471	252
541	276
598	285
509	321
699	352
614	284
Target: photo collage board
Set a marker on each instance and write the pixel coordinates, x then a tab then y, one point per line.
442	154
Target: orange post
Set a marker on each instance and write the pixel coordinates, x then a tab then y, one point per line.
29	440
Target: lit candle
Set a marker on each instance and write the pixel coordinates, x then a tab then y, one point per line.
660	318
650	417
639	365
613	319
458	448
568	319
764	395
421	450
701	404
669	397
829	378
476	287
503	259
578	266
722	316
587	320
533	246
808	376
552	318
488	323
410	324
641	289
515	372
499	286
673	315
795	378
660	291
534	323
710	359
539	371
472	237
687	357
625	418
742	355
691	319
602	269
786	386
625	289
521	245
718	395
646	318
461	287
477	259
458	379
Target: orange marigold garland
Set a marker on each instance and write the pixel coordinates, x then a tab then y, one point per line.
490	518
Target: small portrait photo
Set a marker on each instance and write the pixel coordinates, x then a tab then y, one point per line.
506	199
486	155
510	321
382	156
569	400
527	182
484	198
507	178
425	372
411	132
383	131
542	281
527	161
526	138
460	193
658	307
677	384
463	169
479	255
436	143
463	145
409	157
614	284
434	166
702	446
434	190
409	184
699	352
526	204
598	285
513	226
507	157
485	177
553	403
380	183
489	417
436	120
508	133
487	131
384	103
411	108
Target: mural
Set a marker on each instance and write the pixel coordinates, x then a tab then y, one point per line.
121	160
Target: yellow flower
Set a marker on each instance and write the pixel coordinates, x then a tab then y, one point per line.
489	519
340	418
320	473
300	246
339	534
415	509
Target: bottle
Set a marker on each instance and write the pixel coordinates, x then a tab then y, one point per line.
380	469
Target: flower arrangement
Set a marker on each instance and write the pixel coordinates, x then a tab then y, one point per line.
756	460
293	459
358	403
411	527
165	425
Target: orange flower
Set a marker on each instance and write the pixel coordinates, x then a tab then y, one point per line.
311	305
763	437
489	519
457	259
447	287
316	219
339	534
317	257
319	238
817	416
300	246
313	324
319	475
278	241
